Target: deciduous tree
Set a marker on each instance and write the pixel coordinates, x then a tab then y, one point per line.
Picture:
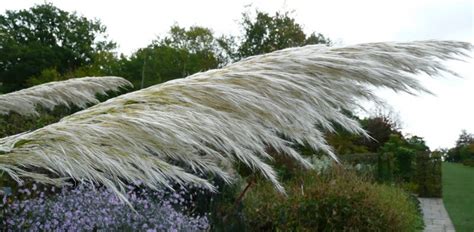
45	37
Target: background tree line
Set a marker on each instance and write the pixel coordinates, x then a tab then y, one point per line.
463	151
45	43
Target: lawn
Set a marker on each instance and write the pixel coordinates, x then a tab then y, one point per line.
458	195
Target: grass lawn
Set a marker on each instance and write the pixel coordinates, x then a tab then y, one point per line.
458	195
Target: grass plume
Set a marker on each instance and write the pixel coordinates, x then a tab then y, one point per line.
209	121
73	92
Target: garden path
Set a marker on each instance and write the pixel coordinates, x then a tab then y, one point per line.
435	215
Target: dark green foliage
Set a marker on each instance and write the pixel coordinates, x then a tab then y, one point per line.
226	211
463	151
469	162
420	173
14	123
267	33
345	142
337	201
407	163
379	128
428	175
182	53
44	44
404	152
403	156
385	167
46	38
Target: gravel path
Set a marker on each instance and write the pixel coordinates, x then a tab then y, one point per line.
435	215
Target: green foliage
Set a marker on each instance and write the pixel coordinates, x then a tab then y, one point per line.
469	162
404	152
428	175
15	123
404	162
267	33
45	38
337	201
385	168
46	75
183	52
224	208
345	142
463	151
379	128
46	44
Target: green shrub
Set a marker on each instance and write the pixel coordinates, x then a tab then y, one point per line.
428	175
14	123
385	168
469	162
360	158
336	201
404	170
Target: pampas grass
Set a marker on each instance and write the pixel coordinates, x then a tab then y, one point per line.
208	122
73	92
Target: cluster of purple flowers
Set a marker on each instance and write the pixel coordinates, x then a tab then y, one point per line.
84	209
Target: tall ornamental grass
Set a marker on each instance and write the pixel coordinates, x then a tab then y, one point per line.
76	92
210	122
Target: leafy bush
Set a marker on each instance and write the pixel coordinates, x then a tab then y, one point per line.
14	123
464	149
224	210
380	167
385	168
469	162
336	201
428	175
83	208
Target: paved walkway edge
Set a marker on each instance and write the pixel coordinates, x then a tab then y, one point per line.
435	216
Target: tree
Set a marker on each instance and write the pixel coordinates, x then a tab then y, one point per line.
404	150
181	53
344	142
464	149
189	129
464	139
198	46
380	128
45	37
266	33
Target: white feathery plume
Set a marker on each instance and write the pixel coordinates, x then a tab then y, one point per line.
73	92
209	121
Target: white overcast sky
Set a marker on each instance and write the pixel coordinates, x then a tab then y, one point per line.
439	119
